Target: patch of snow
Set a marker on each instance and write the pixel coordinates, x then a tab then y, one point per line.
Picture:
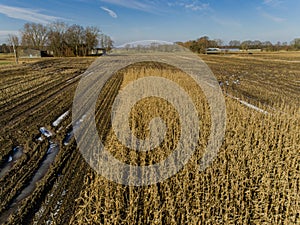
248	105
91	73
70	134
10	158
64	193
71	80
60	119
68	138
253	107
45	132
236	81
40	138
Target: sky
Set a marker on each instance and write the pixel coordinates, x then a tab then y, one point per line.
178	20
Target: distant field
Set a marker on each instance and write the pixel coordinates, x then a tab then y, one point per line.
9	59
6	59
270	79
273	56
254	180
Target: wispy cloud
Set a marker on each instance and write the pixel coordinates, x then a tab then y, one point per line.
110	12
272	2
7	32
4	35
27	14
197	7
269	16
193	5
272	17
156	6
132	4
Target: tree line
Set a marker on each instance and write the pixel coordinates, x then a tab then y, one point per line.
59	38
201	44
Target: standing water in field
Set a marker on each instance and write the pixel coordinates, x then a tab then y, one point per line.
40	173
12	158
52	151
70	134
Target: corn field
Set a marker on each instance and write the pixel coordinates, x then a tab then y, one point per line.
255	178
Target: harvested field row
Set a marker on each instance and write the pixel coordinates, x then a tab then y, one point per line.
37	108
270	83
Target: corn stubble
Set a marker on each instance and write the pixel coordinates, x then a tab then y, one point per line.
254	179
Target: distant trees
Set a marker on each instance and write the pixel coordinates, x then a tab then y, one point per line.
74	37
57	38
234	44
296	43
256	44
91	37
218	42
72	40
267	46
4	48
62	39
34	35
201	44
106	42
251	44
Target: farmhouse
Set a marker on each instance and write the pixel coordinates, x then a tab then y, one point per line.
97	51
33	53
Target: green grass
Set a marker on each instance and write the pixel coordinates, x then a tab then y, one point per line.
5	62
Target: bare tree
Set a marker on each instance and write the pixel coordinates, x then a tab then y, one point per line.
56	38
91	35
14	41
106	42
127	47
219	42
34	35
234	43
75	38
62	39
256	44
246	44
296	43
5	48
267	45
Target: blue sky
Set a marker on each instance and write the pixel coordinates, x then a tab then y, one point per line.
177	20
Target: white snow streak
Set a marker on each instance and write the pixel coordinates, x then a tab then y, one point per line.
60	118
